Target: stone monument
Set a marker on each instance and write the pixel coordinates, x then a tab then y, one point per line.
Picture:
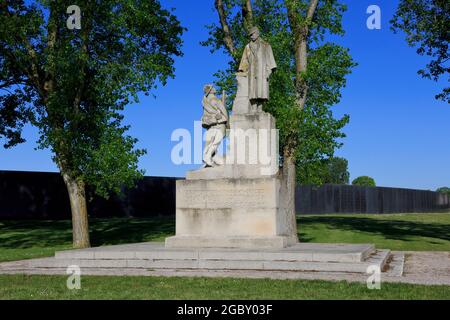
232	215
238	201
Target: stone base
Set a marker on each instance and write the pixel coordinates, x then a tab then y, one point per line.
275	242
329	258
233	213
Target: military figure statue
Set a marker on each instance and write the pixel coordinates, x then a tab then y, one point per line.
258	64
215	119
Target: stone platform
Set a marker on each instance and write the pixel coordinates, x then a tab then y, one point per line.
232	213
327	258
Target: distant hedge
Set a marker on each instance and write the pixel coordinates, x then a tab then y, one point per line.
364	182
444	190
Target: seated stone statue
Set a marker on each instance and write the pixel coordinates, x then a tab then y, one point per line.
215	119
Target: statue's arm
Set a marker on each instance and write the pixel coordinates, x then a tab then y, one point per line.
221	107
244	65
271	63
208	107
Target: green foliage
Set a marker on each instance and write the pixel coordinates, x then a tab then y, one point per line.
13	116
426	24
328	171
364	181
336	171
76	83
311	134
444	190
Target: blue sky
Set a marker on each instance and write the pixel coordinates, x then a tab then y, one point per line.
398	133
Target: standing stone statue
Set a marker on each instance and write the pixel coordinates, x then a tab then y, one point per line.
215	119
258	64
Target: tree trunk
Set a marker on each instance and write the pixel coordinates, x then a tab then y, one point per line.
290	181
78	205
301	66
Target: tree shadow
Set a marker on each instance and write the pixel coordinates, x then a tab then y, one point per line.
28	234
304	238
123	231
389	229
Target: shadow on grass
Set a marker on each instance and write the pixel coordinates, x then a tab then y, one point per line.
28	234
117	231
389	229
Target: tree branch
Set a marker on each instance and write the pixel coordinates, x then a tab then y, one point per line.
227	37
85	56
247	14
312	9
52	33
300	29
293	16
33	61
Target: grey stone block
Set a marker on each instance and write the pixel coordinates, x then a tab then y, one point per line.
167	255
199	242
230	265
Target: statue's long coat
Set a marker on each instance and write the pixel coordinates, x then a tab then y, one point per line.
258	62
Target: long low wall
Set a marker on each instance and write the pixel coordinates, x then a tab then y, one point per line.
30	195
354	199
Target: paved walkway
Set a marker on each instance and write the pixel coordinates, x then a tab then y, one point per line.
426	268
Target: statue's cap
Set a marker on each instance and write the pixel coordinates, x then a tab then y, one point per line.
254	30
208	88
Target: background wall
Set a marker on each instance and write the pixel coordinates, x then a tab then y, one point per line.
27	195
354	199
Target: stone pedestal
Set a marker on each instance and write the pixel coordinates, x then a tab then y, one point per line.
241	204
232	213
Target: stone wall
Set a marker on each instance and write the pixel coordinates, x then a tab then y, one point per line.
32	195
354	199
29	195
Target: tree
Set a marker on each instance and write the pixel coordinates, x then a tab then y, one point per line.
311	73
426	24
444	190
364	181
75	83
336	171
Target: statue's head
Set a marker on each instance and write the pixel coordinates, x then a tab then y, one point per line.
254	33
209	89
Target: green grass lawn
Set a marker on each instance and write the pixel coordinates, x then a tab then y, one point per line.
32	239
415	232
156	288
399	232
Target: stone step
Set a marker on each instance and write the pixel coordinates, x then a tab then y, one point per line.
154	256
379	259
338	253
